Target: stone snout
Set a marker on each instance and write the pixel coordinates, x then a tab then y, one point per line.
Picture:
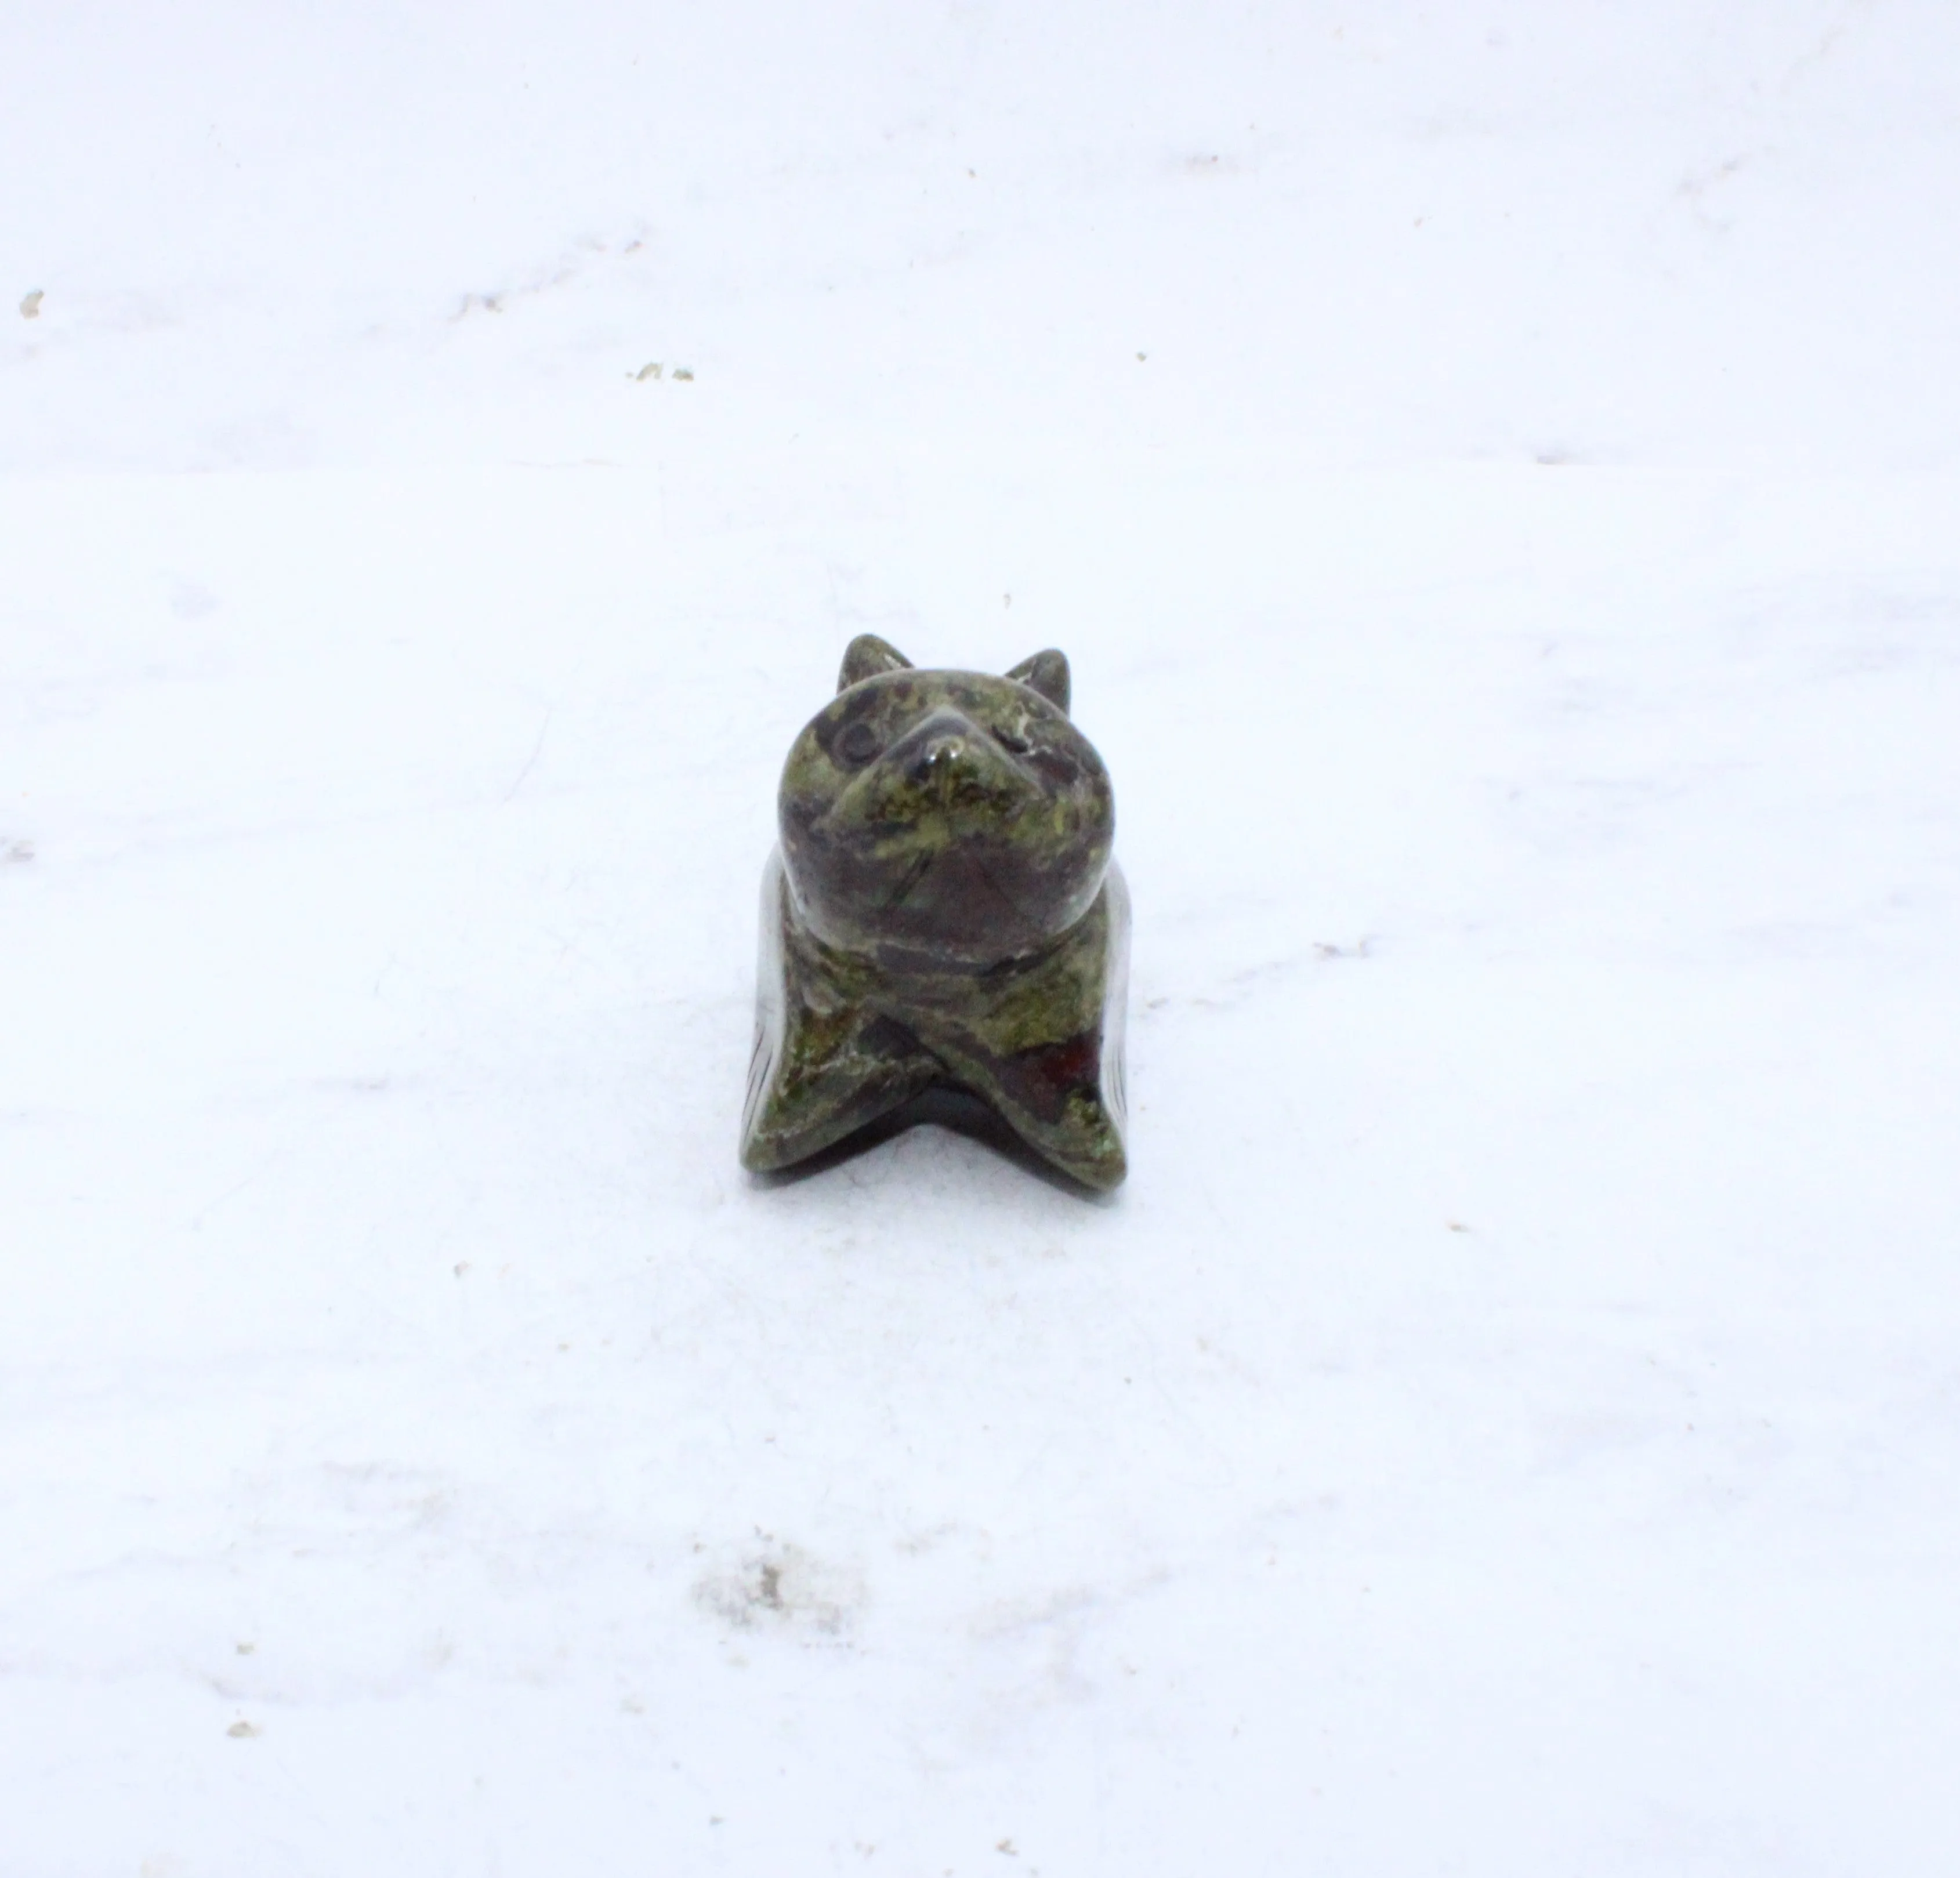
945	762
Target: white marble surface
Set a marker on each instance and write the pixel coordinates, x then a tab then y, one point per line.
1509	1423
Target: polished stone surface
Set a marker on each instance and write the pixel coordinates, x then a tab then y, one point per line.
942	910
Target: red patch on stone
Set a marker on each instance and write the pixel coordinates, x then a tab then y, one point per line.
1064	1065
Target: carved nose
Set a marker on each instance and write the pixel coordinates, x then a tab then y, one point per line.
940	750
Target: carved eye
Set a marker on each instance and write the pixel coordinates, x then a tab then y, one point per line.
1014	746
857	744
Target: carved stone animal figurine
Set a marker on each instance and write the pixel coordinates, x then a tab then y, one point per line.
942	910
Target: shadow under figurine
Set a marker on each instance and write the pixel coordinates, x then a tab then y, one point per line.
942	910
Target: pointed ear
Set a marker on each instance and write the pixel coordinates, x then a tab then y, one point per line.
865	657
1046	672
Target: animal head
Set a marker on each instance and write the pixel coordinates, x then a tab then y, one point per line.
944	818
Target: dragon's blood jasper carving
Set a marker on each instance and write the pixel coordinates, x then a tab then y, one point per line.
942	910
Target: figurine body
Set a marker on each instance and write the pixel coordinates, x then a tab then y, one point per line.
942	910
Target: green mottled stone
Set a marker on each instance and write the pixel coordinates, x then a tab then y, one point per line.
942	910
